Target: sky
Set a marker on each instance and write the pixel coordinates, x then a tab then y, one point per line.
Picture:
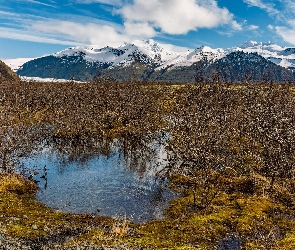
32	28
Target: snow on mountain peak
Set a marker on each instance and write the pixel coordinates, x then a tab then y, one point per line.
206	49
149	45
253	45
202	49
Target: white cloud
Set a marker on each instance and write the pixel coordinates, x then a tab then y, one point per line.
91	33
104	39
19	19
253	27
176	17
109	2
139	30
271	27
236	26
287	33
83	33
289	5
260	4
40	3
24	35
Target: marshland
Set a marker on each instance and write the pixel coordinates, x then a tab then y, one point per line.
216	158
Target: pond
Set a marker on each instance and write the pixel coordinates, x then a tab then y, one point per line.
117	184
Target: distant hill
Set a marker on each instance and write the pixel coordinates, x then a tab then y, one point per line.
65	67
6	73
151	61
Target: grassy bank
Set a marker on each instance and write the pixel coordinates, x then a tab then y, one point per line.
257	221
25	219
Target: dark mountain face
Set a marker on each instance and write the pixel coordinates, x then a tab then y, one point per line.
78	68
6	74
288	51
234	67
188	74
240	67
66	67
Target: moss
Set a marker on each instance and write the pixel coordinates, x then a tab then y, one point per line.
252	217
23	217
94	237
288	242
14	183
247	216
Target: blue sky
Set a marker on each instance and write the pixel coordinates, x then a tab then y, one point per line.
32	28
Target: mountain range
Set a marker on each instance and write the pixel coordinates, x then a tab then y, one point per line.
151	61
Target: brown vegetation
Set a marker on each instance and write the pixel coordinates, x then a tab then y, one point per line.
231	150
6	74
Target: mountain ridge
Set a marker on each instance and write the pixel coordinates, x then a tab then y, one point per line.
87	62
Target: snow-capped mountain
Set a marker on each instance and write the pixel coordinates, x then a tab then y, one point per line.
282	56
240	66
204	53
142	59
158	54
124	55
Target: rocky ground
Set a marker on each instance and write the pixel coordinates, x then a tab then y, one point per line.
7	243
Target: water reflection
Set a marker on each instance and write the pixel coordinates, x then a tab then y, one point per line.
112	178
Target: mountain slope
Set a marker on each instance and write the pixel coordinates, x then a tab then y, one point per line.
240	67
235	67
64	67
6	74
281	56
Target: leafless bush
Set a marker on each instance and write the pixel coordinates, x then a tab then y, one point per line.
234	130
75	118
212	130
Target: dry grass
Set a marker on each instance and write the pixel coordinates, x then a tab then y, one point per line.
14	183
120	228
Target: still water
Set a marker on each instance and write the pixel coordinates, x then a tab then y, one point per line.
101	185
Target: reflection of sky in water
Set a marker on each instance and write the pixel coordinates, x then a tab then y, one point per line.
100	184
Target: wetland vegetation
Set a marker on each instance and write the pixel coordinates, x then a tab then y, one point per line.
230	157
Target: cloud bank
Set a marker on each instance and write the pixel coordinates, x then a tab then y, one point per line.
89	33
